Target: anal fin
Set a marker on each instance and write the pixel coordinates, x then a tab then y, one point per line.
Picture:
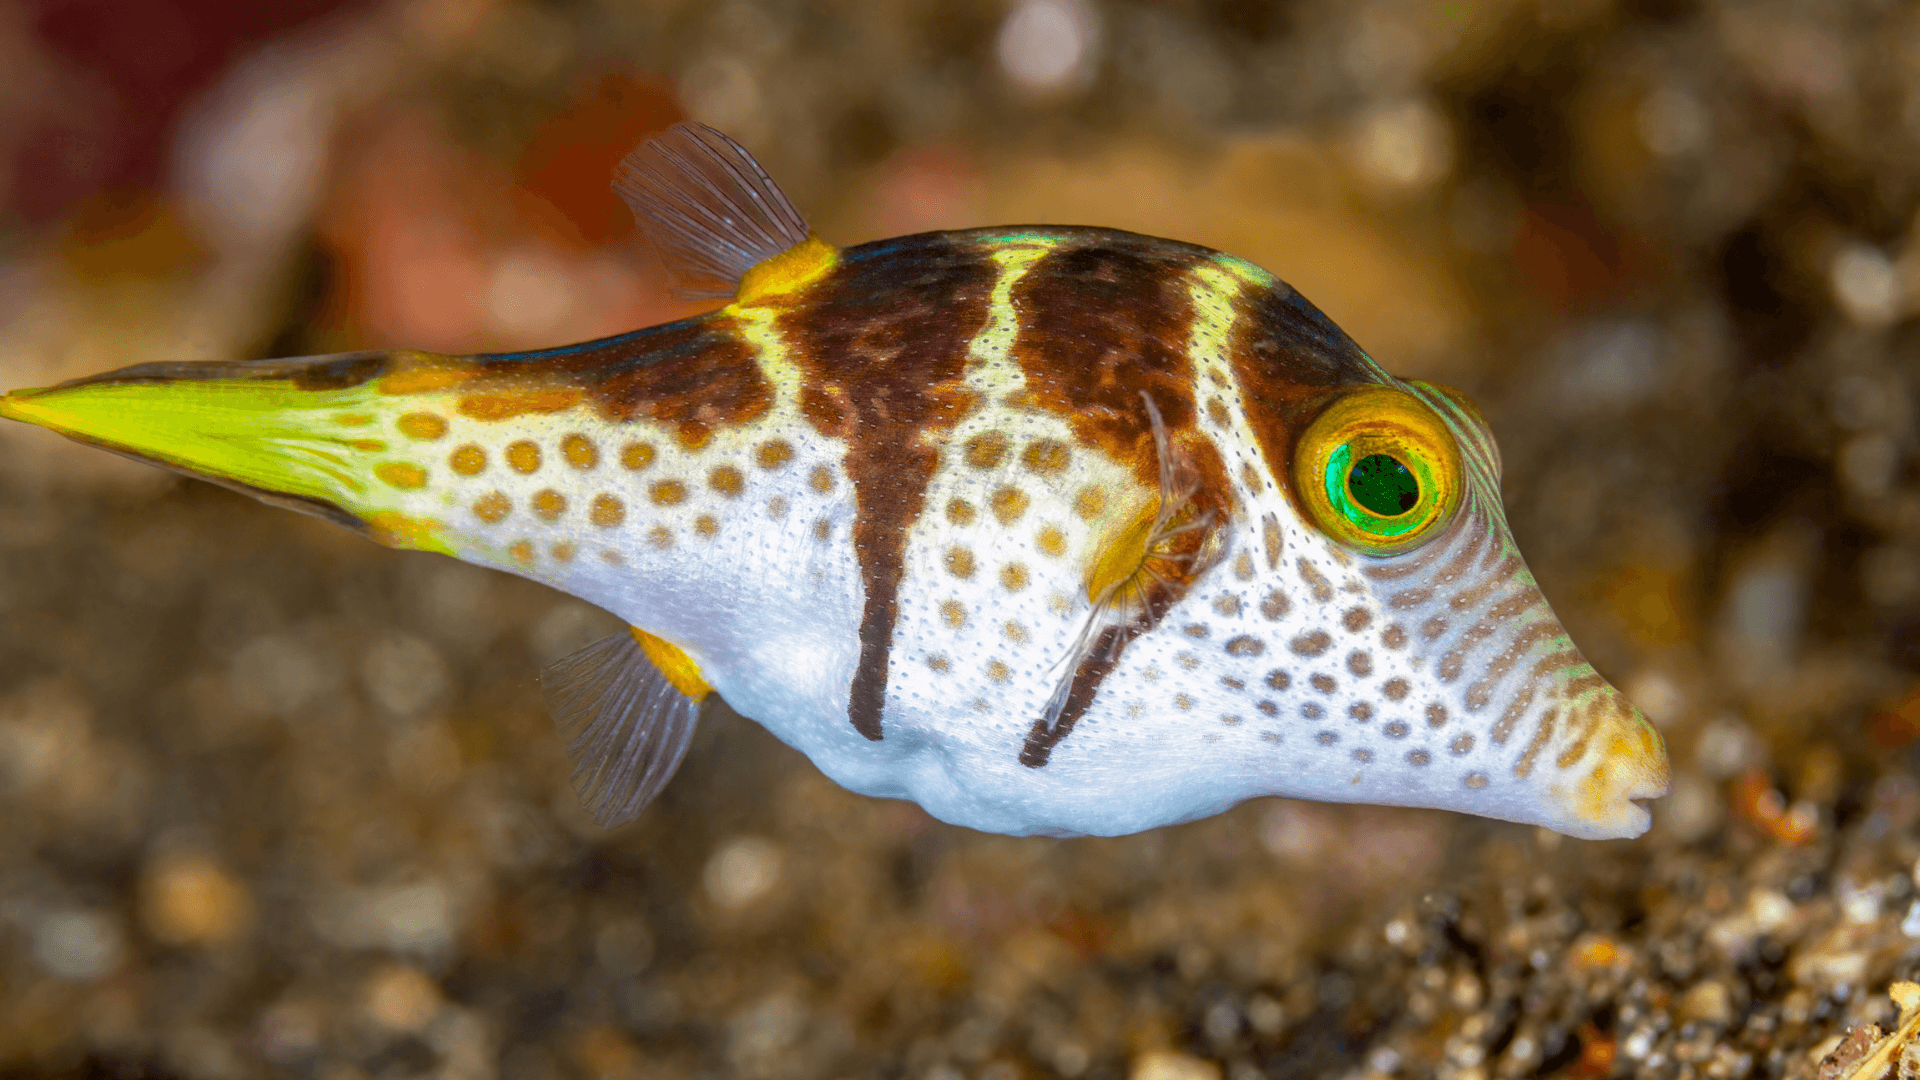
626	724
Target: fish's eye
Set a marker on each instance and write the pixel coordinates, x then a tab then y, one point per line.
1382	484
1379	471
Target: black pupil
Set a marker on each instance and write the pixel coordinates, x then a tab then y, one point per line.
1383	485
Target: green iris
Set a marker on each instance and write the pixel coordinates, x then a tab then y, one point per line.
1381	484
1377	494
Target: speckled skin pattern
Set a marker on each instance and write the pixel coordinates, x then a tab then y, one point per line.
870	511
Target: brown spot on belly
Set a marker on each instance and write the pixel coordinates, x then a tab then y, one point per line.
882	341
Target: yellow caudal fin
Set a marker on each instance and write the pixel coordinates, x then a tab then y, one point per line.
720	223
314	434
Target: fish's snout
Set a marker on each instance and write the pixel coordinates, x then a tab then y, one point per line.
1616	760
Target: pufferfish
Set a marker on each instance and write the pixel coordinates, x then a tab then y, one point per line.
1054	531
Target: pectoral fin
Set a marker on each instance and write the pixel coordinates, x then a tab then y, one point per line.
627	722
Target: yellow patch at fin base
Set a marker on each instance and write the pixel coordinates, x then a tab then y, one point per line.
722	226
674	663
788	272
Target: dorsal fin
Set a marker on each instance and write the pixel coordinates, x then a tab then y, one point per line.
709	208
626	722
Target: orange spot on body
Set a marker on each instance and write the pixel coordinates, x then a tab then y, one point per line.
727	481
606	511
667	493
402	475
693	435
564	552
820	479
637	456
1090	503
772	455
423	426
492	507
706	526
504	406
1052	542
371	446
549	504
954	615
405	532
985	450
468	460
352	419
1046	457
523	456
521	551
959	562
419	373
1008	504
580	452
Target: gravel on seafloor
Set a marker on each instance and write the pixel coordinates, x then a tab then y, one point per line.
277	802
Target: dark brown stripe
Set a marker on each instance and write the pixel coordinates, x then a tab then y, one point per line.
1486	586
1289	361
1524	600
695	371
339	371
1511	656
1462	556
1080	694
1503	728
1579	748
1537	744
882	341
1104	317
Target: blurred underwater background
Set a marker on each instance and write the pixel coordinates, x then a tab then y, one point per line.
276	801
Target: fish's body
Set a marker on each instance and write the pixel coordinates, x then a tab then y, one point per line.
1013	523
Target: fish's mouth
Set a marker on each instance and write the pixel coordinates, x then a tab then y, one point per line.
1622	763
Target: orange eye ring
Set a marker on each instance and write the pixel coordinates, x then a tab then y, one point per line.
1378	471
